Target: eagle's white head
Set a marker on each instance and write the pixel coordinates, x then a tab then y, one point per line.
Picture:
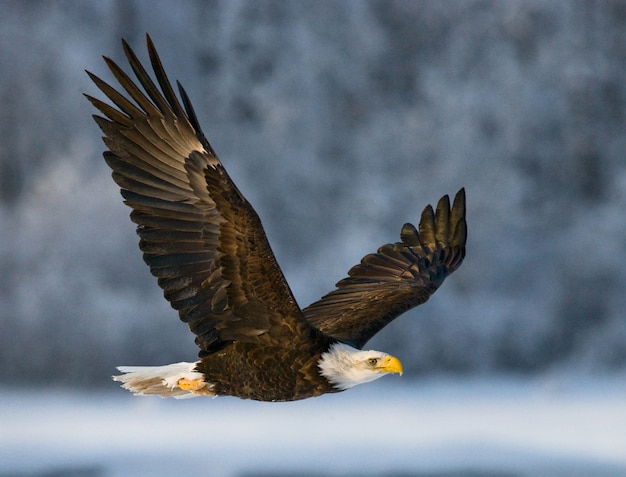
345	366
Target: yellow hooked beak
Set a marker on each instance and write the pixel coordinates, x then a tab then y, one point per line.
391	364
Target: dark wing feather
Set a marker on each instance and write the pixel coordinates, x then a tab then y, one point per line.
397	278
201	238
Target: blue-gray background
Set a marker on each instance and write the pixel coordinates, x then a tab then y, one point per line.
339	121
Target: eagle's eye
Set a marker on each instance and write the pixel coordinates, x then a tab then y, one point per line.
373	361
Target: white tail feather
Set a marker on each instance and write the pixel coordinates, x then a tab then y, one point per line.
158	380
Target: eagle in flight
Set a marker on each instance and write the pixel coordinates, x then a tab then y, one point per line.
205	244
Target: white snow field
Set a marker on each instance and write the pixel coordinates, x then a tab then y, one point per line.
493	427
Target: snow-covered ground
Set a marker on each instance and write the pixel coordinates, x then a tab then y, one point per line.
509	427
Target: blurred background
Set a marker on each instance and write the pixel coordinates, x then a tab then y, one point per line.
339	121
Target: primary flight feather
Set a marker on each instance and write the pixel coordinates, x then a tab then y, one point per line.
205	244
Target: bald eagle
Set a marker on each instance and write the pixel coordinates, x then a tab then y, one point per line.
206	246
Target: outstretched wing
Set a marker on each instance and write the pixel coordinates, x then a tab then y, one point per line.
397	278
199	235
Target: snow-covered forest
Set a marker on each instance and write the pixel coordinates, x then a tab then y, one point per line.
339	121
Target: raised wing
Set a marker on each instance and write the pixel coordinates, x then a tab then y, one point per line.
201	238
397	278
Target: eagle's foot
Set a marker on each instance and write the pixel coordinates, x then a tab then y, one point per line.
194	386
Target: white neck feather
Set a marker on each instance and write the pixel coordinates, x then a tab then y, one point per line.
341	365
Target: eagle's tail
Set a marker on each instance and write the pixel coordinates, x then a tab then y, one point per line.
178	380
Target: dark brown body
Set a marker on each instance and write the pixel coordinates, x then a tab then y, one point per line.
266	374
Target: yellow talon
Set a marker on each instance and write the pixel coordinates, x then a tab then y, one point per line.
195	386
